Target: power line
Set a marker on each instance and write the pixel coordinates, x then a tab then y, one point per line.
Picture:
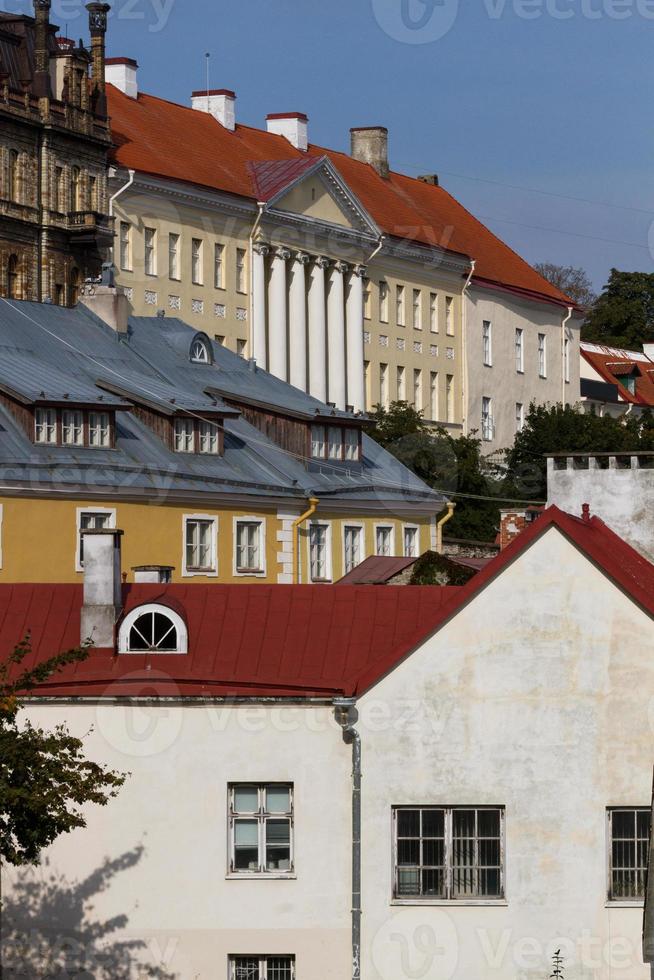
560	231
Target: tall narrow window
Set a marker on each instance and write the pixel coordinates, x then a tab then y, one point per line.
449	397
75	189
240	271
74	286
125	246
196	261
487	419
383	385
72	428
173	256
318	442
219	266
366	385
13	280
150	245
566	360
400	311
184	435
542	355
209	437
335	443
319	552
487	338
519	416
384	540
433	395
366	300
417	389
13	177
401	384
410	542
352	536
57	190
629	830
417	309
248	546
45	426
351	444
200	545
449	316
241	347
99	430
261	826
519	350
383	301
433	312
92	195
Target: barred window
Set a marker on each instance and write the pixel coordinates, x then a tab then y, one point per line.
262	968
629	830
261	828
451	853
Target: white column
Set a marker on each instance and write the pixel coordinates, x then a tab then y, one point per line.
297	332
258	348
318	330
355	385
336	335
277	341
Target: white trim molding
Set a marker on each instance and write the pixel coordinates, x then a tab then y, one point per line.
211	572
261	522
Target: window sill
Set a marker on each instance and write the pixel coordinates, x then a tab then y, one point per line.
250	572
261	876
637	903
191	572
452	902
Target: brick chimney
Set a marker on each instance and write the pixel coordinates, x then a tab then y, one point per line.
122	74
98	29
41	84
102	588
369	144
513	522
106	301
293	125
219	103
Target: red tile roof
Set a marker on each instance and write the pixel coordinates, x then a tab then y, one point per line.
172	141
612	362
284	641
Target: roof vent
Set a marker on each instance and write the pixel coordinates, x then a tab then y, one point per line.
429	179
122	74
293	125
219	103
369	144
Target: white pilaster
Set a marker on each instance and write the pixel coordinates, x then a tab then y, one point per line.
278	307
259	346
355	385
336	335
297	333
318	330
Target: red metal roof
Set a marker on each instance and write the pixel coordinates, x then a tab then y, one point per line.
376	570
169	140
284	641
612	363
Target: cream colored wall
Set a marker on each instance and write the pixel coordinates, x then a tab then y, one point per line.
311	198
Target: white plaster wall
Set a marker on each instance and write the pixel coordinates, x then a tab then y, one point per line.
538	697
502	382
176	898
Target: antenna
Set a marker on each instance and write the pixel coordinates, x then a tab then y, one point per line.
207	59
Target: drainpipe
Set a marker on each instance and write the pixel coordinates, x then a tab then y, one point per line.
439	527
114	197
378	248
346	715
464	348
563	323
255	228
313	505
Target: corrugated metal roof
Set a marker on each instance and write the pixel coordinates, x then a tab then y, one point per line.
376	570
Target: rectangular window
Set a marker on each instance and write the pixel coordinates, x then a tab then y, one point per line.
209	437
125	246
384	540
248	546
150	246
319	552
219	266
401	384
196	262
173	256
519	350
383	385
200	544
318	442
519	416
383	301
487	337
184	436
417	309
99	430
400	306
352	444
241	347
449	396
240	271
72	428
57	203
433	312
542	355
91	520
417	389
487	419
335	443
566	360
352	547
45	426
629	830
262	968
449	316
433	395
410	542
449	853
260	822
367	302
93	193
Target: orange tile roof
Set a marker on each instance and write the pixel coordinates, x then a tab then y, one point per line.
168	140
612	363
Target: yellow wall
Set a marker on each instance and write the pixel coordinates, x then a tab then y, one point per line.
39	538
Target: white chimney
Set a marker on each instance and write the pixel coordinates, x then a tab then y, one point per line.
122	73
102	587
293	125
219	103
153	574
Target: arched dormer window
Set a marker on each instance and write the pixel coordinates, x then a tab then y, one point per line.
200	351
153	628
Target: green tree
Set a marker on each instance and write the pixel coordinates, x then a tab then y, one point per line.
400	419
623	316
571	280
45	778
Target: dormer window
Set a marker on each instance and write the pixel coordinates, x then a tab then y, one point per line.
197	436
99	429
335	443
73	427
208	437
627	381
153	628
184	432
200	353
45	426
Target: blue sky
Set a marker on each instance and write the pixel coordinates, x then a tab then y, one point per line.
556	96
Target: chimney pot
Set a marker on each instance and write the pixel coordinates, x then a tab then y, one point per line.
102	587
369	144
219	103
294	126
122	73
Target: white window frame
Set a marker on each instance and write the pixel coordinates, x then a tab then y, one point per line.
125	246
434	395
201	572
197	261
400	305
261	816
449	316
411	527
628	902
542	355
208	429
99	428
418	393
263	963
241	347
150	252
78	417
487	426
357	526
179	435
219	252
401	383
153	607
519	347
388	527
433	312
519	416
241	271
384	394
416	308
329	572
566	360
111	511
261	522
449	397
48	414
174	249
384	293
367	300
487	342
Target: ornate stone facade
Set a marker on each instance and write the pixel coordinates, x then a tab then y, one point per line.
54	144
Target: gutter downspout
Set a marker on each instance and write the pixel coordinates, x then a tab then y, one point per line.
464	347
563	323
255	228
439	527
313	505
346	715
378	248
114	197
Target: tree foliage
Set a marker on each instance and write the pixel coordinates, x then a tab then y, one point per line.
45	779
434	569
623	316
571	280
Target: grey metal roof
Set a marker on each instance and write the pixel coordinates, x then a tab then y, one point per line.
57	350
